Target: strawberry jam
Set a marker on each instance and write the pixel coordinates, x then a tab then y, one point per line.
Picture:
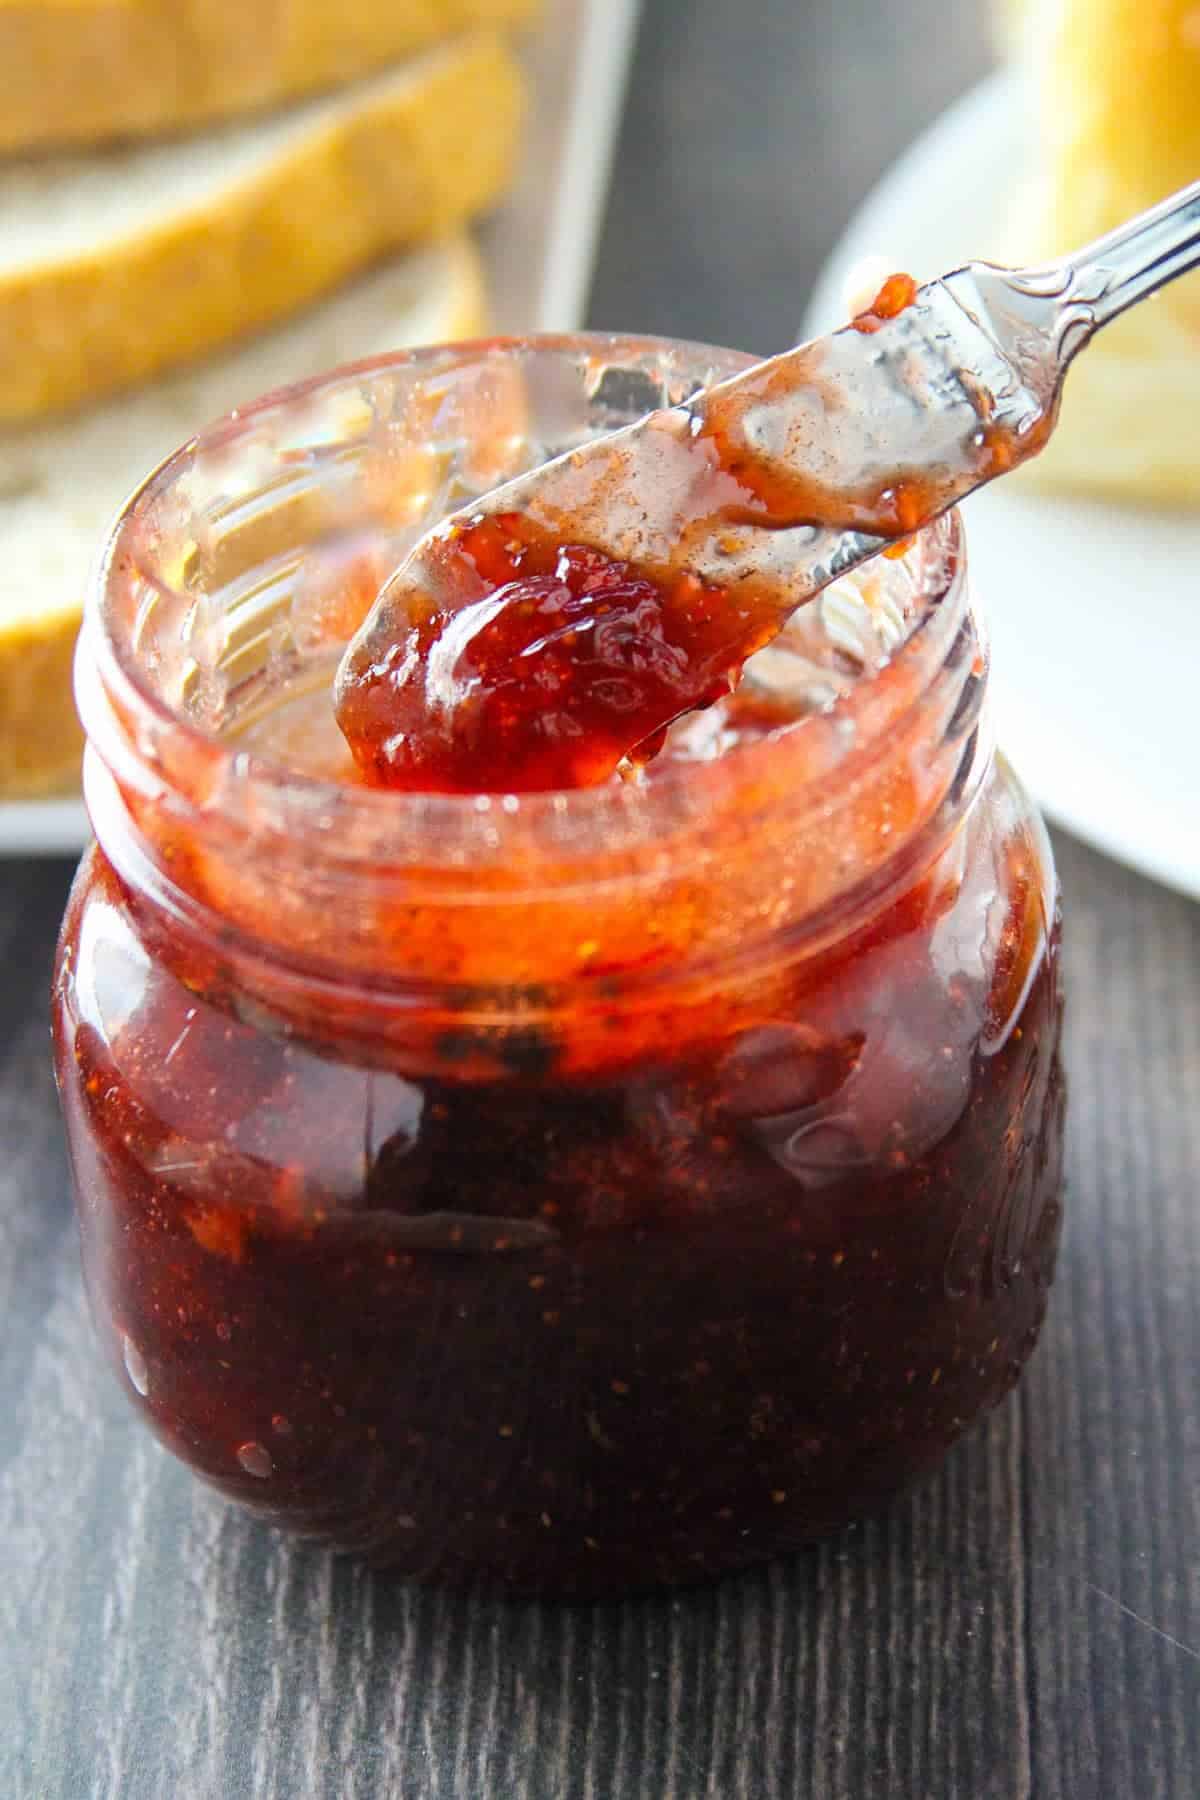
575	1190
561	669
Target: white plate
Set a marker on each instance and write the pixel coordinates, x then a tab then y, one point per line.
1101	722
539	249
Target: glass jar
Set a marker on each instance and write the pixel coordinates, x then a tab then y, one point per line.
577	1190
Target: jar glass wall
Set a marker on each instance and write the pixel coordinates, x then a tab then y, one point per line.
573	1190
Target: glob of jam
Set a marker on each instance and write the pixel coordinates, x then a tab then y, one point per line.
895	296
555	666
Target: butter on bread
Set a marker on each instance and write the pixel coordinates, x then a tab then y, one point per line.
62	483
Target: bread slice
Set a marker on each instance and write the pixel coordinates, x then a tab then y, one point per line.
87	71
115	267
1117	85
61	484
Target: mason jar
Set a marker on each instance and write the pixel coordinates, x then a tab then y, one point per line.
572	1190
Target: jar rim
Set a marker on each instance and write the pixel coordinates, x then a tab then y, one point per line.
135	730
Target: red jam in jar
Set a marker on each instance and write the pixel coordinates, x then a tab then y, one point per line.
572	1190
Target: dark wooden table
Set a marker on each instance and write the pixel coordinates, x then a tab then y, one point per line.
1026	1624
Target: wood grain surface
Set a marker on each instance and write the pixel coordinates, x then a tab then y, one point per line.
1025	1624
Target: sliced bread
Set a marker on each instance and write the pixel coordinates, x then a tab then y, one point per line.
117	266
81	73
61	484
1117	91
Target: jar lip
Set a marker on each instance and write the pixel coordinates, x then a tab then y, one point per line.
361	826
